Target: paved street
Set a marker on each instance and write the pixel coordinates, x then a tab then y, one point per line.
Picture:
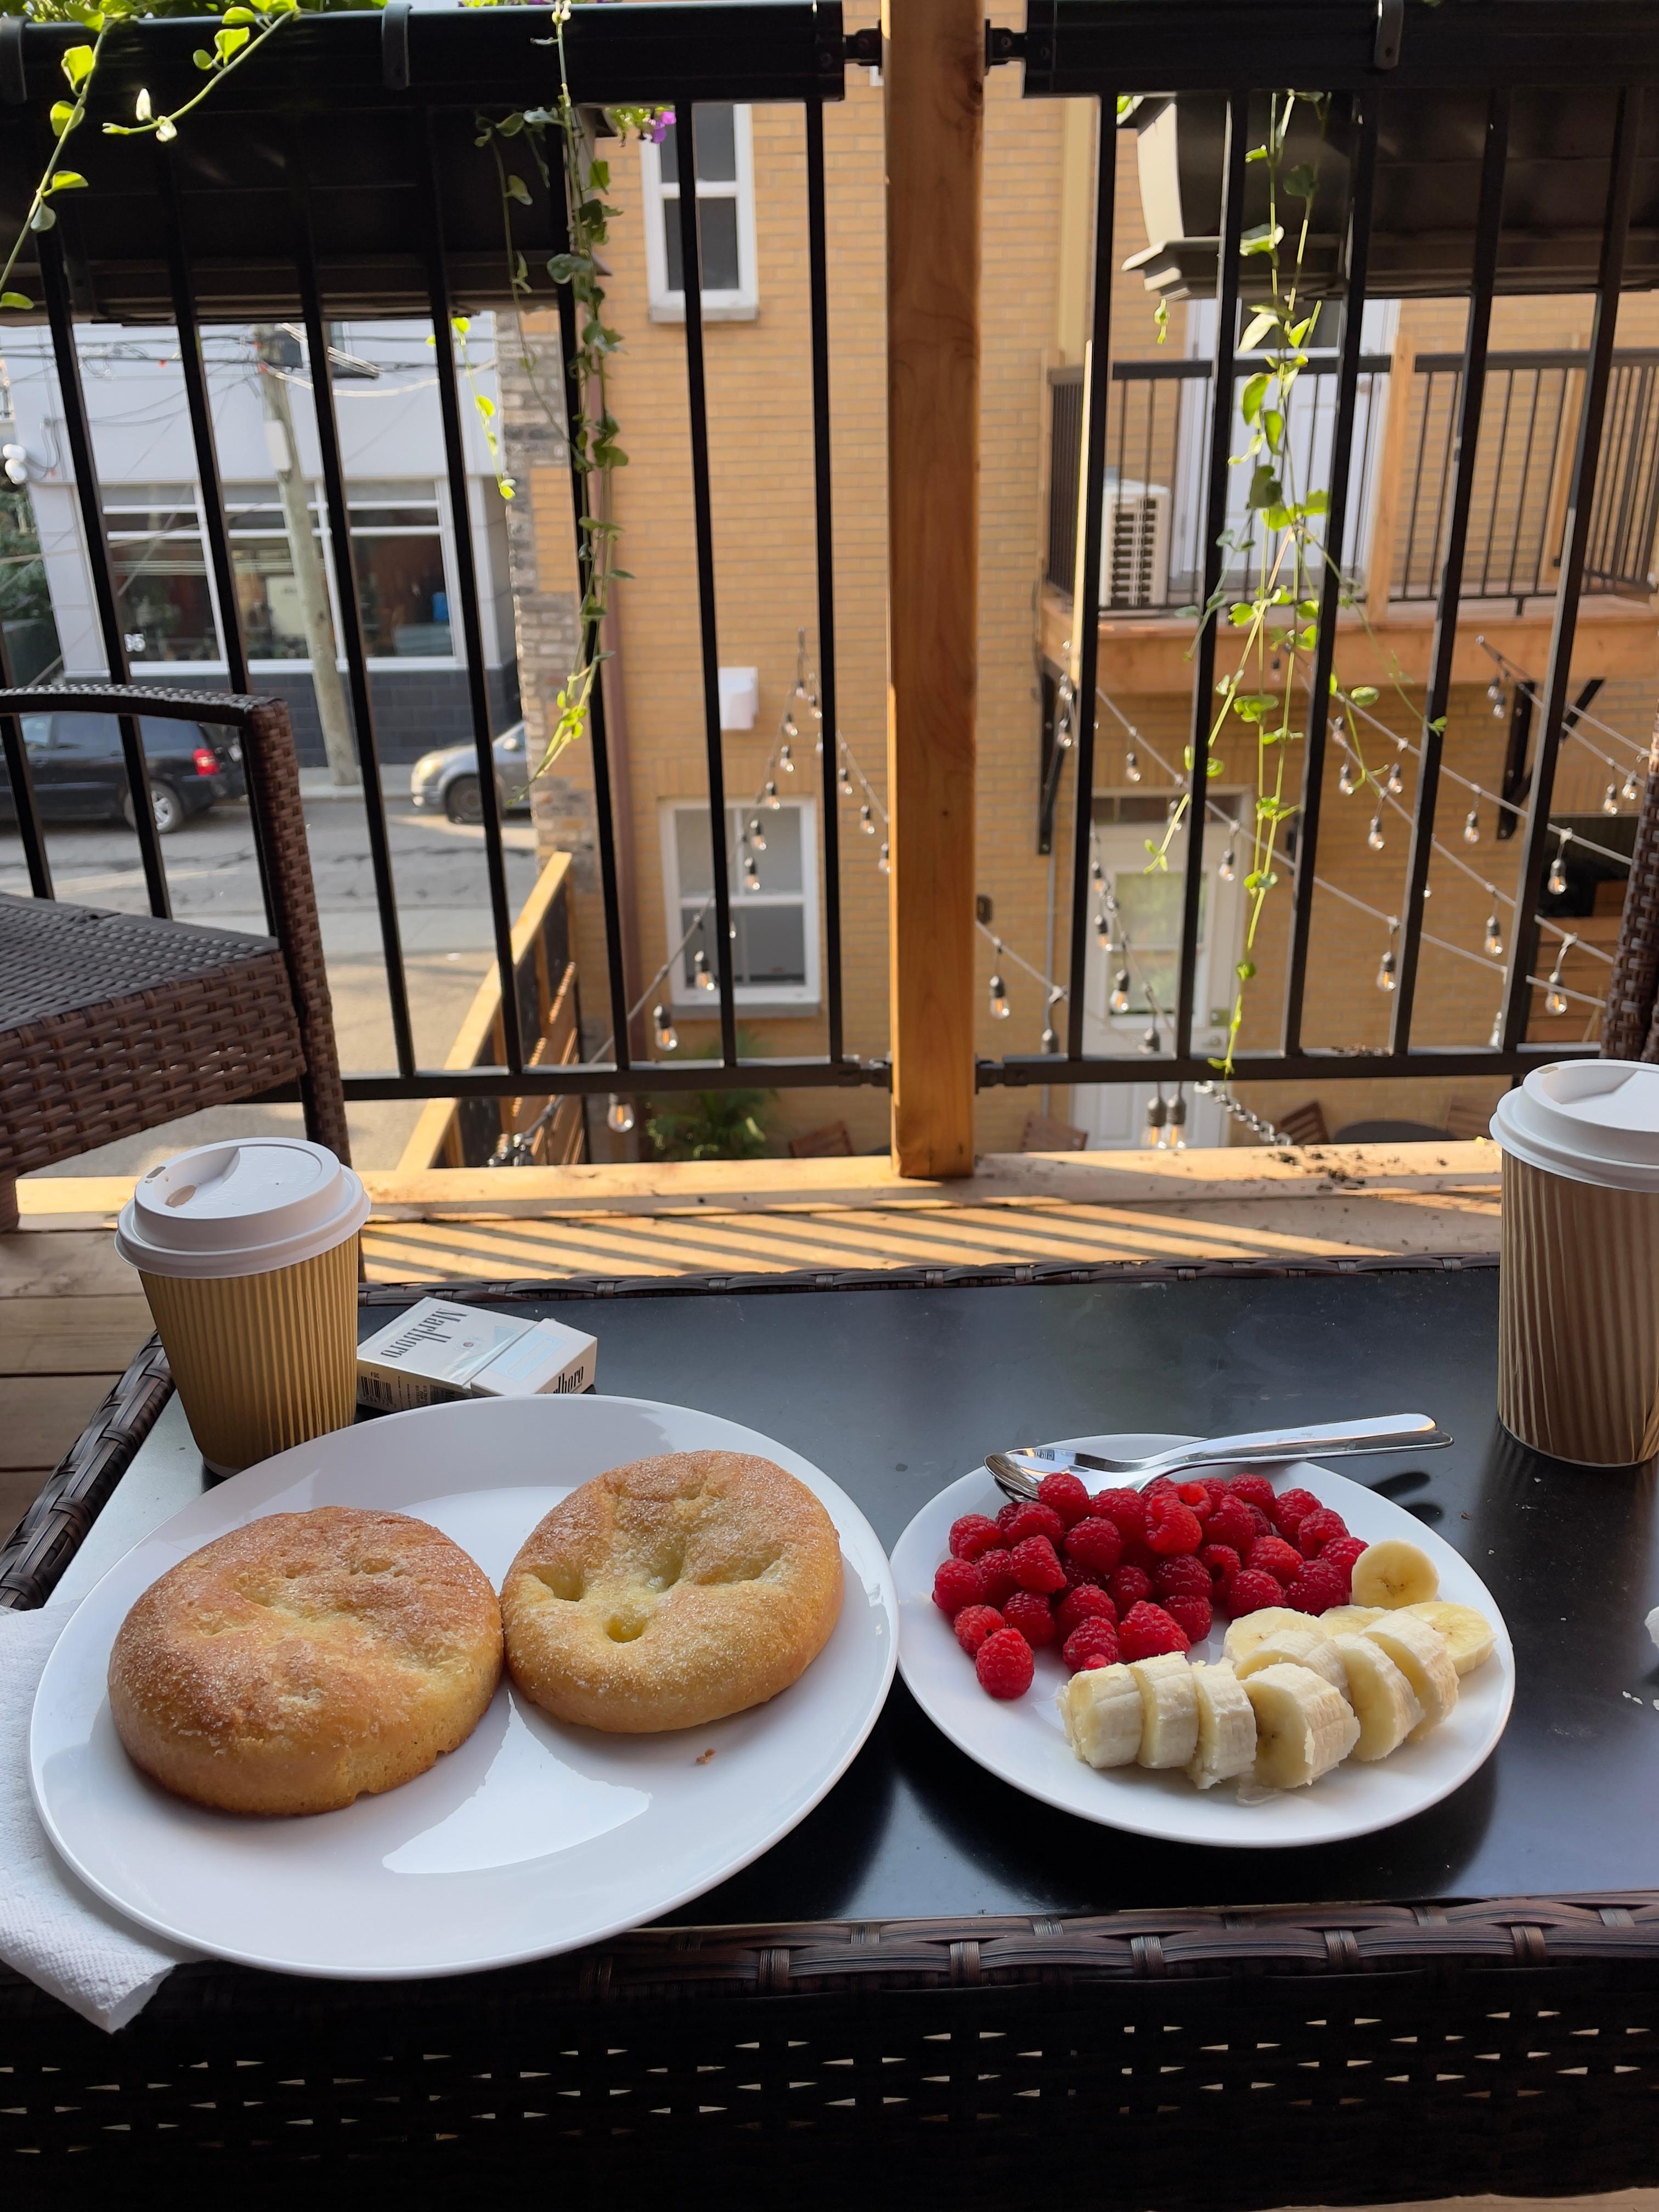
443	907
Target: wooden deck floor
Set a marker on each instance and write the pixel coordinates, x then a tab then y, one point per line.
72	1314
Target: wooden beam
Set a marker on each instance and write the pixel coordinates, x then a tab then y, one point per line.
933	72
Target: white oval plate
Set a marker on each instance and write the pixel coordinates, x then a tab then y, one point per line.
1022	1740
532	1838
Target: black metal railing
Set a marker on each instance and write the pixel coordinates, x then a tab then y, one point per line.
1404	86
1517	517
339	178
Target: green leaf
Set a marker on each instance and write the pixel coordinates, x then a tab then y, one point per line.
1241	616
140	106
227	43
202	58
67	181
1438	726
77	66
1364	695
1245	970
510	125
485	405
1250	399
16	299
42	219
1302	181
1274	423
1316	502
64	116
1265	490
240	15
1265	319
1261	238
1214	768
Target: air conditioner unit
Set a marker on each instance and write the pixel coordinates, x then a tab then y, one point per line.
1134	549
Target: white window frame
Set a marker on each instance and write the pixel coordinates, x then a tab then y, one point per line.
662	206
686	997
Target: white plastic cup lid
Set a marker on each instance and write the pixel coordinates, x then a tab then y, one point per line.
1592	1120
240	1209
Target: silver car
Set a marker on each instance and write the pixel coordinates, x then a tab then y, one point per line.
449	780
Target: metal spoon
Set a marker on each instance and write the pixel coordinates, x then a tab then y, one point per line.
1019	1471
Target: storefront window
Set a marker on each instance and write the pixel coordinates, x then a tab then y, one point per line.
397	553
161	574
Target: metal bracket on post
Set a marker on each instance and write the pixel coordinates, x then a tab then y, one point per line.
1390	29
394	46
864	48
1002	45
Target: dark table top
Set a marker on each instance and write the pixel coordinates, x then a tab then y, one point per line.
895	1392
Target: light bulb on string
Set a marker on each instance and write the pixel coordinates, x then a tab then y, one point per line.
1157	1115
1472	826
785	762
1104	930
1050	1042
751	875
814	707
883	862
999	1007
1097	874
1394	782
1555	999
1631	789
1495	1039
866	820
1178	1121
1131	765
771	795
1610	799
1229	864
1337	728
619	1115
1557	880
1494	933
757	834
700	976
1498	708
1388	969
668	1036
844	780
1120	998
1374	836
1346	782
790	729
1494	690
1171	807
1151	1042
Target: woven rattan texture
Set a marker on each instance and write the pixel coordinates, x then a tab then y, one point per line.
1186	2058
56	959
1629	1027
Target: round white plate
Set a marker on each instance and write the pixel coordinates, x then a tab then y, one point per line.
532	1838
1022	1740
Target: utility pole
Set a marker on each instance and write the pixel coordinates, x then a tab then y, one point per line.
309	578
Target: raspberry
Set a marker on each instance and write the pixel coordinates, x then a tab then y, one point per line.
1342	1553
974	1534
1004	1664
1223	1563
1196	1495
1128	1586
974	1624
1316	1587
1094	1544
1031	1520
1181	1577
1033	1615
1094	1644
959	1582
1172	1527
1230	1522
1272	1555
1078	1577
1291	1506
1259	1522
1315	1530
1124	1509
1191	1616
1254	1490
1065	1495
1084	1603
1147	1630
998	1575
1251	1591
1036	1564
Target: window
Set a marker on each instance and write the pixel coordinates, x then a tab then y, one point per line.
161	573
775	951
397	549
725	218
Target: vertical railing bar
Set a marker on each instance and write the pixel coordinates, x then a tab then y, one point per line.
1525	473
697	395
54	280
1122	390
1235	148
1085	616
1649	449
1498	488
1489	226
1357	265
345	581
818	276
194	367
20	776
1417	481
1146	465
1616	522
1545	556
1627	131
1454	409
460	522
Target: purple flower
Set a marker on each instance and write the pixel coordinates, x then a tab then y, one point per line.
658	128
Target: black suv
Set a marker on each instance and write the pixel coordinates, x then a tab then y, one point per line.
80	775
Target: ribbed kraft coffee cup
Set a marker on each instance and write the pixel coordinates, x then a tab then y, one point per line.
248	1256
1578	1297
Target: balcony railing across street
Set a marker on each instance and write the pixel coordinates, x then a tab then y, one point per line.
338	178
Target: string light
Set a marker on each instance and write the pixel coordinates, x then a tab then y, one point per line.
700	976
1557	875
1050	1042
1104	930
771	795
1555	999
1495	1039
1229	864
1119	1000
1494	933
1131	765
791	728
1000	1006
1630	789
844	780
866	820
1157	1115
1388	969
1472	826
668	1038
1610	799
1151	1042
1498	709
1178	1121
1346	781
1394	782
785	758
619	1115
1374	836
757	834
883	862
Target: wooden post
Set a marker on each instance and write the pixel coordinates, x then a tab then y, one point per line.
933	72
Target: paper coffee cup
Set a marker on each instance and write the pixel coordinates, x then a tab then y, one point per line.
1578	1285
248	1256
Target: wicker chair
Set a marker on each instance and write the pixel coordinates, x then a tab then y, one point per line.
112	1024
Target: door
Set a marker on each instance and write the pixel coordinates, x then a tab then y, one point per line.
1131	991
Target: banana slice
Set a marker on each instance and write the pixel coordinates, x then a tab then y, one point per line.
1247	1630
1299	1643
1384	1701
1169	1710
1227	1728
1303	1727
1419	1651
1469	1634
1392	1574
1102	1712
1349	1620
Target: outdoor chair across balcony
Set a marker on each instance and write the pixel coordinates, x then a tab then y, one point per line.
112	1023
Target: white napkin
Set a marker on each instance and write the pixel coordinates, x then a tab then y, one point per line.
51	1927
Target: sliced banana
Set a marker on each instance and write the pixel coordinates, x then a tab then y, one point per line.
1469	1634
1303	1727
1227	1728
1349	1620
1419	1651
1298	1643
1102	1713
1394	1573
1384	1701
1247	1630
1169	1710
